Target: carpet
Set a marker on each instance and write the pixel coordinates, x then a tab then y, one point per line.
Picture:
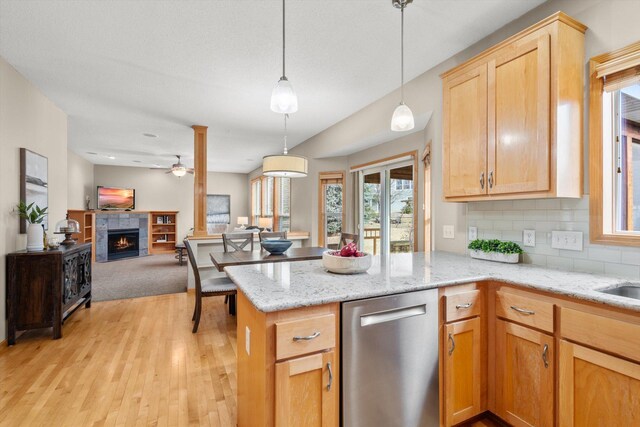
138	277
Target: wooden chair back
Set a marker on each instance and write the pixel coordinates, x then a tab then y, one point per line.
348	238
237	241
194	266
273	235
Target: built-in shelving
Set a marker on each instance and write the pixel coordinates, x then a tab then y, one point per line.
163	225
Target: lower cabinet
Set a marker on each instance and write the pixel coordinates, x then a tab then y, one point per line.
462	367
524	375
597	389
305	391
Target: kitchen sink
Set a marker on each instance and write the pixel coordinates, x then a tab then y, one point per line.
627	290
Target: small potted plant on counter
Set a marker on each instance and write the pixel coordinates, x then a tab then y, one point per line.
35	232
348	260
495	250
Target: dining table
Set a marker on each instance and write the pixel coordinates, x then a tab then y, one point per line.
227	259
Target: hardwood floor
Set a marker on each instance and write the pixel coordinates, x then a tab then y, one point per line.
125	362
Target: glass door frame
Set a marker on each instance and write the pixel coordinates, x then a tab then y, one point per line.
323	177
385	209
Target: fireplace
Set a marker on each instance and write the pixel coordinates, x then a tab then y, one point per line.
123	244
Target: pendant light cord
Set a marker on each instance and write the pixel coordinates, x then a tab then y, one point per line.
401	53
283	41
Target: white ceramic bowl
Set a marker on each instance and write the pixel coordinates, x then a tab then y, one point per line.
346	265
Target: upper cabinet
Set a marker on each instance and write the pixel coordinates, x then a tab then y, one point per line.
512	117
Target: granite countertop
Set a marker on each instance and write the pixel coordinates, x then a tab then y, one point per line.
281	286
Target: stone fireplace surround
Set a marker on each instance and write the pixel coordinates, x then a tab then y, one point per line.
106	221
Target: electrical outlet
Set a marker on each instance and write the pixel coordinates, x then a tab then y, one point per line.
529	238
448	232
570	240
247	340
473	233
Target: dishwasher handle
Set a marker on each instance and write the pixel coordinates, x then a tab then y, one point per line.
391	315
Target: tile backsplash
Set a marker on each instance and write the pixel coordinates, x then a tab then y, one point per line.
507	219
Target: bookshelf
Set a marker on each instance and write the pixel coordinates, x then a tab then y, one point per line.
163	231
85	219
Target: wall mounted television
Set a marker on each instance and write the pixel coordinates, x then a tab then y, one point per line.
116	198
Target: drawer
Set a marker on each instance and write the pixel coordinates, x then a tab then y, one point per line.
610	335
463	305
525	308
304	336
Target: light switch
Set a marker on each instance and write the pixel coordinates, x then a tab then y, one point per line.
448	232
570	240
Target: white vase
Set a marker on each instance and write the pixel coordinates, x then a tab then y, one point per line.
35	237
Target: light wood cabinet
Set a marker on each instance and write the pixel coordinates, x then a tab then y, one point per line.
305	391
462	368
518	116
524	375
512	117
283	381
597	389
465	148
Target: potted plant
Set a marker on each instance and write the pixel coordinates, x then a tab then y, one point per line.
495	250
34	215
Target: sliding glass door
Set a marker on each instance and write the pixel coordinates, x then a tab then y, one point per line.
331	209
387	208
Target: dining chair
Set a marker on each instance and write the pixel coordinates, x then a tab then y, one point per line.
348	238
237	241
211	287
273	235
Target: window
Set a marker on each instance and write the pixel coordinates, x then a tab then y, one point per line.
331	208
614	147
271	198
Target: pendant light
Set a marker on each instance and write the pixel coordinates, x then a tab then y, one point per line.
283	98
285	165
402	119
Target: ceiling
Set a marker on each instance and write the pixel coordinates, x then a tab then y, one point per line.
123	68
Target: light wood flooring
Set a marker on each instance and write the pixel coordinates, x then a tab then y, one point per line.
126	362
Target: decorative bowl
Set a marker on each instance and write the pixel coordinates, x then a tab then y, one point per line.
346	265
276	247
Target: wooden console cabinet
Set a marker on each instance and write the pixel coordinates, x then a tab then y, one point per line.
44	288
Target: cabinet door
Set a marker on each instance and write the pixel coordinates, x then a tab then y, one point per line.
463	370
465	134
524	375
306	392
519	114
597	389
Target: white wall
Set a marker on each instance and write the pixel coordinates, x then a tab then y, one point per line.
27	119
157	190
80	181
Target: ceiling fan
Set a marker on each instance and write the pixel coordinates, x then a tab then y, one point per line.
179	169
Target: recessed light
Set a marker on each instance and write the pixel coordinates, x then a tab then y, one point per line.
91	152
136	161
150	135
111	157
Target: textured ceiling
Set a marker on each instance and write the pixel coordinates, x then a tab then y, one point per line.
123	68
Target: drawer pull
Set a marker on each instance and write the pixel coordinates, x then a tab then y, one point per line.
330	377
453	344
522	310
463	306
307	338
545	353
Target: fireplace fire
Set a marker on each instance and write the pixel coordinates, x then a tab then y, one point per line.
123	244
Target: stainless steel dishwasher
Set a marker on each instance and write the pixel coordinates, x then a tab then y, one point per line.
390	361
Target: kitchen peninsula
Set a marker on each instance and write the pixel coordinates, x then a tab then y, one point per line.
488	313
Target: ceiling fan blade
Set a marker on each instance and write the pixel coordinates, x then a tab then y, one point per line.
169	171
